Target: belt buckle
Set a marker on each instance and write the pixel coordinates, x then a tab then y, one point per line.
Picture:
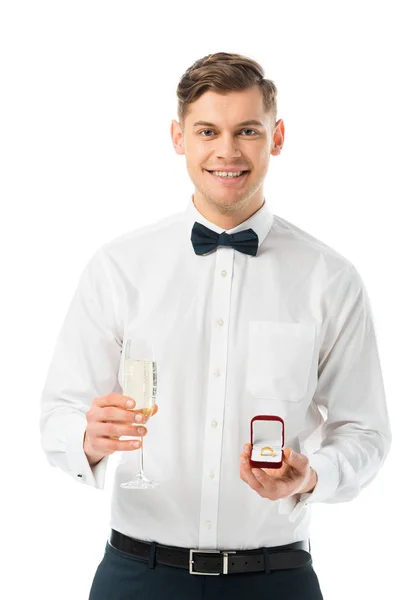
225	561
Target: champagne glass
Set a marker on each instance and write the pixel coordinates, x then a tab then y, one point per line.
140	383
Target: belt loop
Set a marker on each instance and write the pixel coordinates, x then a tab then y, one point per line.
266	561
152	556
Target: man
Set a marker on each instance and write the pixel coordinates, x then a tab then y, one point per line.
250	316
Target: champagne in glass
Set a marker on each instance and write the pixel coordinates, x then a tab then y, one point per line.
140	383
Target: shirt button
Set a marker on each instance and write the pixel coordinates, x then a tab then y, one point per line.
207	525
217	372
80	475
214	423
223	273
211	474
220	322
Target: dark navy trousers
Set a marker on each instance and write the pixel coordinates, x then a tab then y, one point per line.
120	576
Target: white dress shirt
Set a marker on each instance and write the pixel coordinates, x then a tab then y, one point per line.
287	332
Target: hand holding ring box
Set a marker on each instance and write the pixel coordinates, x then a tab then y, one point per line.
267	440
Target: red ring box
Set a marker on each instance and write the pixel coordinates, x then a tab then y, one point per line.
267	430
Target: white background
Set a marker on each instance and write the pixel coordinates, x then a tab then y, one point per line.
87	98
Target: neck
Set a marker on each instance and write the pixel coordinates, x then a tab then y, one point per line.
226	217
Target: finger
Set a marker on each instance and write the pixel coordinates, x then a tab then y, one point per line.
140	417
107	445
111	413
296	461
245	455
246	470
261	477
263	484
247	448
247	476
271	488
113	399
116	430
286	454
245	458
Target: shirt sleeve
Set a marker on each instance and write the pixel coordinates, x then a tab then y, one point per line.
84	365
356	434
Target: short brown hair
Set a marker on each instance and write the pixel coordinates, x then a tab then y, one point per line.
224	72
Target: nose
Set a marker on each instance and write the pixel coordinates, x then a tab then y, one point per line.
227	147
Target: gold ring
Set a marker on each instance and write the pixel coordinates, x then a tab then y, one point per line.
267	451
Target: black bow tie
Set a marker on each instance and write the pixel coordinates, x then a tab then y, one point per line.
204	240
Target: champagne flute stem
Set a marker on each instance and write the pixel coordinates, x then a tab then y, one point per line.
141	459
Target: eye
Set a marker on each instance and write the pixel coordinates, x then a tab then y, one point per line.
249	130
205	130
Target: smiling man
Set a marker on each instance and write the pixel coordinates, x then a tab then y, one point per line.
227	155
271	395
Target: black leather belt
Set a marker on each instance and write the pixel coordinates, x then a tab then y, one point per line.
216	562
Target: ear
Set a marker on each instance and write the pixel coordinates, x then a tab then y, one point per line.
177	137
278	138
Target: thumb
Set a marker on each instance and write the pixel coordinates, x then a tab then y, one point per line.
293	458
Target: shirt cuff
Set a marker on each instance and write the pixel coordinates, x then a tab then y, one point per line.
78	463
327	483
328	477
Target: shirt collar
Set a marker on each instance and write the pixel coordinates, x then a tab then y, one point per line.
260	221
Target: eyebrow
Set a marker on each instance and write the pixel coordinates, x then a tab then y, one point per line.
250	122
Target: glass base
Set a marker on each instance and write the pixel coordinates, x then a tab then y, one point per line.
140	483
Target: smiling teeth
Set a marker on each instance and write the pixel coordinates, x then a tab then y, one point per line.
227	174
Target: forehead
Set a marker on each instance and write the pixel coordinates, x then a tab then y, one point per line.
228	108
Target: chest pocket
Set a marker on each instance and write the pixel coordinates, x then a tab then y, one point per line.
280	356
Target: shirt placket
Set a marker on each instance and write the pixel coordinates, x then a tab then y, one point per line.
215	401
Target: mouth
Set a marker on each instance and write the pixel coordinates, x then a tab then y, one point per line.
228	180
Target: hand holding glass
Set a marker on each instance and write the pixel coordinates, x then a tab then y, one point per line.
140	383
